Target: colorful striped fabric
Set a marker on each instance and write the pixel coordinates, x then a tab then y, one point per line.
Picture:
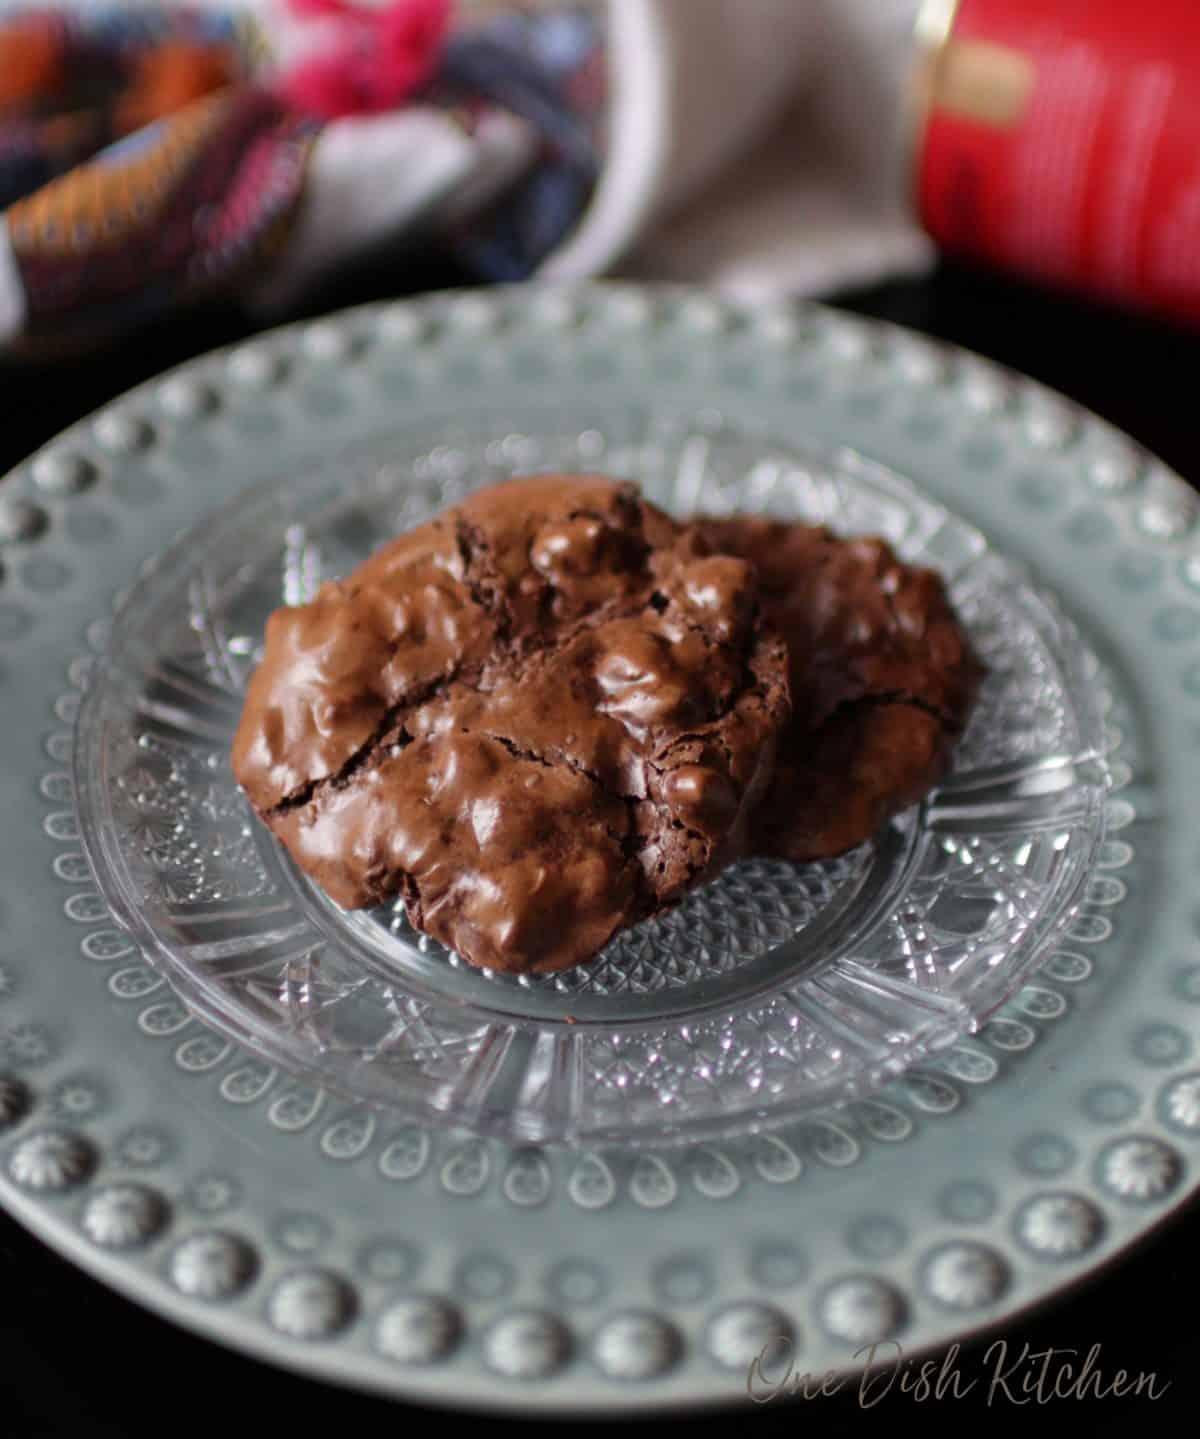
150	158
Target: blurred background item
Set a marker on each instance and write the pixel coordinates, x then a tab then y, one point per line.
1060	140
154	156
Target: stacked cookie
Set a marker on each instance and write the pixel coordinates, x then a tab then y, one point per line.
553	710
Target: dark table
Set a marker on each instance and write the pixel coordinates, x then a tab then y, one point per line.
77	1360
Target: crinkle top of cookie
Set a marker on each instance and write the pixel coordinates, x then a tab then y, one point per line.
538	718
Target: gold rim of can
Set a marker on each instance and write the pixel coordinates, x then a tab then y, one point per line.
932	31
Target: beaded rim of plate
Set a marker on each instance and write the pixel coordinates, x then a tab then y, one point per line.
1069	1199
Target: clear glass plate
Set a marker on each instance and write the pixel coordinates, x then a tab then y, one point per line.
771	991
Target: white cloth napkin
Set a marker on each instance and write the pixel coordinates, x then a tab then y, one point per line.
761	147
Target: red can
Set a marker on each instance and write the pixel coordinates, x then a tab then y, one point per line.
1061	139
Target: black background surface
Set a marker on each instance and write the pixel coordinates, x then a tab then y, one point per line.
75	1359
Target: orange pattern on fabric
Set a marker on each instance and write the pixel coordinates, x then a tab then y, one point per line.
171	77
110	197
30	63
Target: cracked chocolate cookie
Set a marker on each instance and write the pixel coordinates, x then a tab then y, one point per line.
880	676
538	719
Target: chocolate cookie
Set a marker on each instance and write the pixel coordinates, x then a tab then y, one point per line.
538	719
880	676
